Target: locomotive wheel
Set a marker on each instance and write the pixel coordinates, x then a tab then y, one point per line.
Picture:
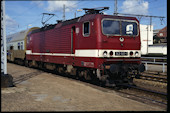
26	63
130	81
21	62
87	75
29	63
84	75
40	65
80	74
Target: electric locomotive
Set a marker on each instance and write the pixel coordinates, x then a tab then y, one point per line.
92	46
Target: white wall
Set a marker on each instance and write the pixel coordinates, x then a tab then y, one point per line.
158	49
146	35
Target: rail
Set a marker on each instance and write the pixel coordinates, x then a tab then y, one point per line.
154	62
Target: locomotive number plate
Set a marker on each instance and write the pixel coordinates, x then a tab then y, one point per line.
121	53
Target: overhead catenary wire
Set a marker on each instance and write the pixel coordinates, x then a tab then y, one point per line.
25	25
38	16
71	8
140	16
22	16
137	5
24	12
143	15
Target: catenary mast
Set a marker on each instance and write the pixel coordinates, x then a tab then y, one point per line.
6	79
3	40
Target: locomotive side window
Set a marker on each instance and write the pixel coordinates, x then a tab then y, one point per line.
111	27
86	28
129	28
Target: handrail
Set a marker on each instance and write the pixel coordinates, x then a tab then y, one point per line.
154	62
154	58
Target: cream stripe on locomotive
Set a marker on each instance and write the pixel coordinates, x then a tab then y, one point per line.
95	53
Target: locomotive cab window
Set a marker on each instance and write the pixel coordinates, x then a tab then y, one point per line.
118	27
111	27
86	28
129	28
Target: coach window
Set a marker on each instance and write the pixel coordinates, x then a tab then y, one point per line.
86	28
21	45
11	47
18	46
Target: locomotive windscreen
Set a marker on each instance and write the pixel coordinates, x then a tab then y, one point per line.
111	27
129	28
117	27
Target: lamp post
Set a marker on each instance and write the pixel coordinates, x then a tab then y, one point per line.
28	25
77	10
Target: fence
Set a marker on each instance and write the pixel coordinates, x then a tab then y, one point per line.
154	62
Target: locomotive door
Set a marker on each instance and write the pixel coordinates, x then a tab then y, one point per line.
73	39
41	46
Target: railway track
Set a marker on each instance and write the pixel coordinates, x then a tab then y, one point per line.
145	94
143	89
154	77
155	73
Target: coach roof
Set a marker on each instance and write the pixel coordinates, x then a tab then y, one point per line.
19	35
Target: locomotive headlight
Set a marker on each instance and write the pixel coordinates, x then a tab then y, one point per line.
131	53
105	53
111	53
136	53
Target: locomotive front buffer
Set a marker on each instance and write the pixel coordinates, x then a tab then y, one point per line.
118	73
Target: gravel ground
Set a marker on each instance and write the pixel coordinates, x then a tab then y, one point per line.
40	91
151	85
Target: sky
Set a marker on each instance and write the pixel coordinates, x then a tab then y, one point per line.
21	15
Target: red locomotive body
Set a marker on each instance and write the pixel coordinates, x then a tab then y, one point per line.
104	45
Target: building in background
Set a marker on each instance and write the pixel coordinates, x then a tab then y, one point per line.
156	31
153	41
160	36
